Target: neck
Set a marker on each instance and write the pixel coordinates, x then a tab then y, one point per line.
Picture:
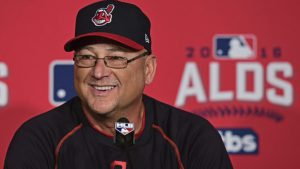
106	123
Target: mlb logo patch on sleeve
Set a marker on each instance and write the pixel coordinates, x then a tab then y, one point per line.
61	81
239	46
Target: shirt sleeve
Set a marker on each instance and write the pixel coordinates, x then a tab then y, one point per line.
208	151
29	149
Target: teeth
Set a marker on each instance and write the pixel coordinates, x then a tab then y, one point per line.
104	87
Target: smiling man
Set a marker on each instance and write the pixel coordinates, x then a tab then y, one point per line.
112	88
111	123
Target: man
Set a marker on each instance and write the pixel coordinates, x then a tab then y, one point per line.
113	64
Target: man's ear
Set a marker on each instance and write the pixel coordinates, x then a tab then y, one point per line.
150	68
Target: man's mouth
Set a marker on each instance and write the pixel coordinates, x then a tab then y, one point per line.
104	88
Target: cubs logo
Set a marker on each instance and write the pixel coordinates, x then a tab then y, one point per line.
103	16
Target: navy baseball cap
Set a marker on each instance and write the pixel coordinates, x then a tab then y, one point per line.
121	22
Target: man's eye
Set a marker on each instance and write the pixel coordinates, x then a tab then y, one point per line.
86	57
116	58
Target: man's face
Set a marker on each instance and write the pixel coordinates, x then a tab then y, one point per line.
106	91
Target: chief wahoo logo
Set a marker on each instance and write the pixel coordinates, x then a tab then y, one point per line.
103	16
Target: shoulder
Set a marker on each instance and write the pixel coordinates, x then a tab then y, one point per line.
169	115
181	126
35	141
197	139
185	128
51	125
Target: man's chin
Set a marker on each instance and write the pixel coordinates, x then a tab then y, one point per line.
104	111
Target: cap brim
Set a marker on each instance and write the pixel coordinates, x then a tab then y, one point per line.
95	37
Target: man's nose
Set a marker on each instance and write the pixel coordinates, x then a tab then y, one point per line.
100	69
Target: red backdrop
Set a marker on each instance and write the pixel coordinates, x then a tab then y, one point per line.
253	101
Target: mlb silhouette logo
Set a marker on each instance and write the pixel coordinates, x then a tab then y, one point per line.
61	81
240	46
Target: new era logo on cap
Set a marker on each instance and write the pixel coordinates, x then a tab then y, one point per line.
103	16
147	40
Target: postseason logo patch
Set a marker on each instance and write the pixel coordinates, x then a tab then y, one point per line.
103	16
61	81
240	46
124	128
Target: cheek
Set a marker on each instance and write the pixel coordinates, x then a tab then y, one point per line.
80	74
134	79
